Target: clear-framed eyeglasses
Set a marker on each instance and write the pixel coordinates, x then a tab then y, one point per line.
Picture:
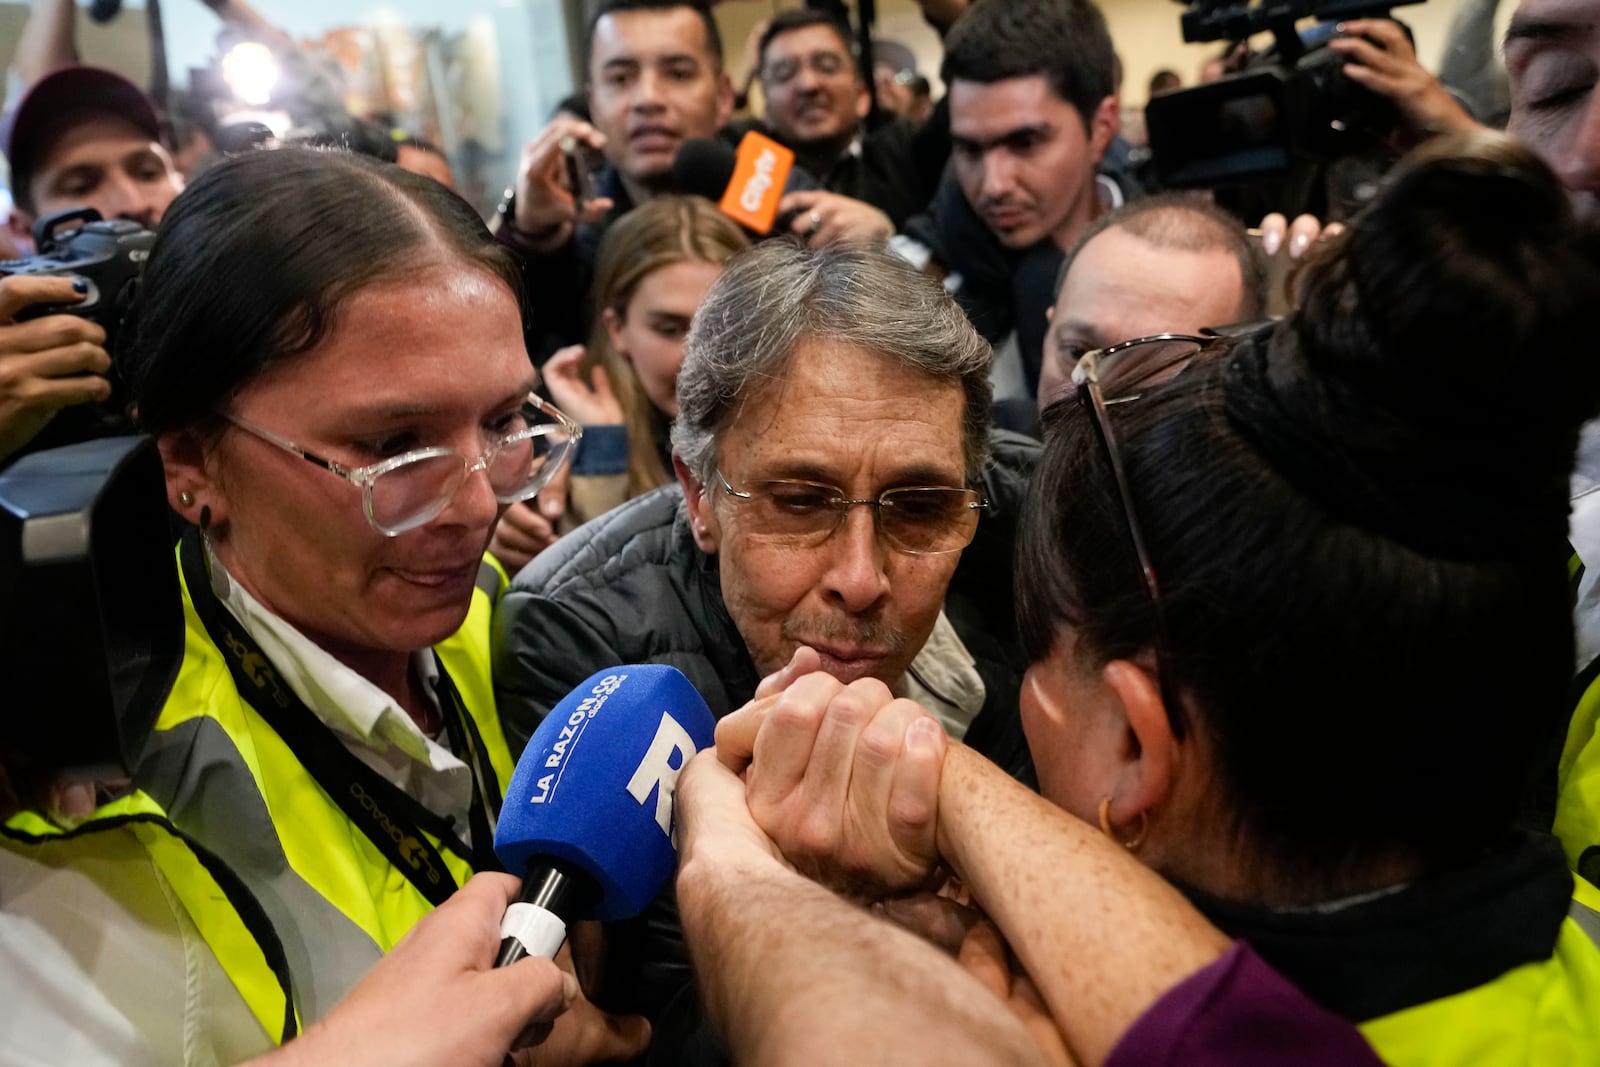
406	491
920	520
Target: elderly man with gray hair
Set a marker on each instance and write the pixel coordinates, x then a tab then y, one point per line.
839	489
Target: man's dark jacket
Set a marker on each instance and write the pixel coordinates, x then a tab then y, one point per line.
632	587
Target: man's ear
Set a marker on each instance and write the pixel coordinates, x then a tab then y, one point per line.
192	485
702	520
1103	126
1151	754
725	95
863	100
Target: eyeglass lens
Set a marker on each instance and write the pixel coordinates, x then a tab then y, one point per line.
916	520
1141	365
414	492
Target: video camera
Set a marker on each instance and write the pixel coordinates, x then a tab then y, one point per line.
106	255
91	623
1290	108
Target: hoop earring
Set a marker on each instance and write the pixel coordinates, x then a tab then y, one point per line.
1131	844
205	518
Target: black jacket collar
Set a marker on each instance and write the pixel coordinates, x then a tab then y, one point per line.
1447	933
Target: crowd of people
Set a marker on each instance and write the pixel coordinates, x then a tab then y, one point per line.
1120	655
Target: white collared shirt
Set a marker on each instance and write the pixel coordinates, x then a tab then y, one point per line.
370	722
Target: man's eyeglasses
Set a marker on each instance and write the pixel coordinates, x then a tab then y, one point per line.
1123	371
921	520
404	492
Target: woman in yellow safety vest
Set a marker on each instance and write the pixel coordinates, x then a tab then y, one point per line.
329	352
1297	607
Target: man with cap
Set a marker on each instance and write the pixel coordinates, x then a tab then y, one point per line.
84	136
80	137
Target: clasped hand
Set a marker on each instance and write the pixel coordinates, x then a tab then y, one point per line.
843	779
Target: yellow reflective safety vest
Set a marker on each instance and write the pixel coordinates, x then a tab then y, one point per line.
341	869
133	832
1577	819
1544	1012
1492	957
1577	811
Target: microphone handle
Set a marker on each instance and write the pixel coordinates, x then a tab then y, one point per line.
554	894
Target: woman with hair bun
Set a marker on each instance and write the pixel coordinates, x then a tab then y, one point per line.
1300	621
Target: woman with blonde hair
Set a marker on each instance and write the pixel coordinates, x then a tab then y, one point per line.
653	270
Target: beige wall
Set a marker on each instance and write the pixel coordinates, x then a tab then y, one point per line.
1145	31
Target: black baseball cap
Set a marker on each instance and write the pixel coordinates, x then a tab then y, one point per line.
29	129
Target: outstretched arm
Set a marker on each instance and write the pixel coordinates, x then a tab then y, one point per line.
793	974
48	42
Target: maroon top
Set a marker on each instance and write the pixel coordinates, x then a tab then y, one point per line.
1238	1011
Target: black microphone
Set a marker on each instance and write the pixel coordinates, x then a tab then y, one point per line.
746	183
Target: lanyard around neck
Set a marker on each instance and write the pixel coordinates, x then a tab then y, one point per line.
392	819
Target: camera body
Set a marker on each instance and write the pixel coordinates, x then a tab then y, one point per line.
106	256
1290	108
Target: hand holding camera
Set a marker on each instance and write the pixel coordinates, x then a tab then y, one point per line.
59	310
554	191
1378	55
47	363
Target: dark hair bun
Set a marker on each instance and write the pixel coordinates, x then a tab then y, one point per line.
1433	382
1468	279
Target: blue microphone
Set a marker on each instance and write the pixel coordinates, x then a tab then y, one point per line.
588	815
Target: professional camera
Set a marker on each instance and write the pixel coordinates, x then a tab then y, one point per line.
106	255
91	623
1289	110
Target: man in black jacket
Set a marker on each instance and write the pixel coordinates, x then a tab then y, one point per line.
839	489
817	103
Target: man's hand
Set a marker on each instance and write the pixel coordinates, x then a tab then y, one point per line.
442	970
528	527
45	364
592	403
985	956
547	209
828	218
713	822
1378	56
583	1033
844	779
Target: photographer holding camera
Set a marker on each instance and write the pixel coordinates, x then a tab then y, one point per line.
80	137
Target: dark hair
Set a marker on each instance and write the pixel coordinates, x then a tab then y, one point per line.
1063	41
780	294
254	260
799	18
1358	522
573	104
602	8
1186	222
